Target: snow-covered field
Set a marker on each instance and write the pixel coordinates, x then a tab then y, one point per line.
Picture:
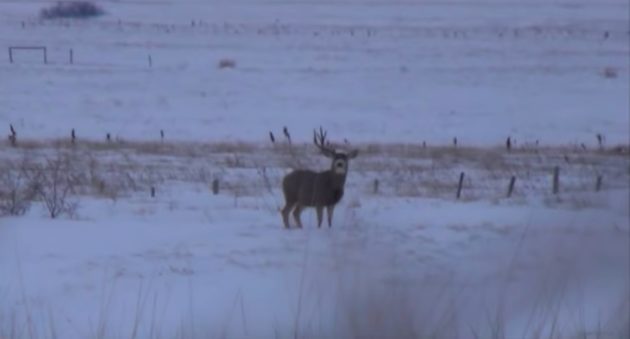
407	261
402	71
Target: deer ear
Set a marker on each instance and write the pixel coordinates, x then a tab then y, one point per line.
353	154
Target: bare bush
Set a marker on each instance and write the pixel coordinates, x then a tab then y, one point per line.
16	192
72	9
266	180
55	183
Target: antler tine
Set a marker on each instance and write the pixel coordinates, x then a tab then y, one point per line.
318	138
320	142
323	134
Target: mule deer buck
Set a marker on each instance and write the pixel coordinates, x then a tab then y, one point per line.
305	188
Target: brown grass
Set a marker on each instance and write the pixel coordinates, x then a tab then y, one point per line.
393	150
118	168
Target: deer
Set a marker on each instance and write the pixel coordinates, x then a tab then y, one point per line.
304	188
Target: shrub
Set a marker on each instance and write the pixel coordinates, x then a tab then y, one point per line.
56	181
16	193
227	63
72	9
609	73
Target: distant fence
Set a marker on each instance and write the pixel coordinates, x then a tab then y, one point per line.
44	51
29	48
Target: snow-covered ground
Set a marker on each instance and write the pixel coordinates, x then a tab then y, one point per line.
386	70
407	261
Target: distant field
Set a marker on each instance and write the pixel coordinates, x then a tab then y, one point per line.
368	71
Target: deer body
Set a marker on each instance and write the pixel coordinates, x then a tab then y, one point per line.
305	188
313	189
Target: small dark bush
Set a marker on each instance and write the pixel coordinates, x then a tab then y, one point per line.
609	72
72	9
227	63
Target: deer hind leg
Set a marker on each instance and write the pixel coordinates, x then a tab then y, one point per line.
296	214
329	210
320	214
285	213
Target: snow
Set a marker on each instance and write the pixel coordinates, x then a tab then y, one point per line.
187	261
408	259
402	71
191	253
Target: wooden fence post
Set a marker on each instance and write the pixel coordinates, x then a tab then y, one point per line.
598	183
556	180
215	186
13	136
511	186
459	186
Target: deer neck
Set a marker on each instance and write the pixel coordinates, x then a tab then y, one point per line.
338	180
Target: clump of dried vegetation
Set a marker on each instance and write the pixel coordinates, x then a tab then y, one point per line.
50	182
53	171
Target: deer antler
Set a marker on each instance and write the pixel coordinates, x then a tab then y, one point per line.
320	138
320	141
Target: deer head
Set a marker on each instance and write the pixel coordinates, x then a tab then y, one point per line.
339	164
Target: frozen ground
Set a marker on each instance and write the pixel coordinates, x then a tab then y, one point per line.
407	261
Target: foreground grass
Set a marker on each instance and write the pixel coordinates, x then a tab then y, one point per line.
358	300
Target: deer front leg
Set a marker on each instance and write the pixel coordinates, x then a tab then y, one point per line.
285	214
320	214
296	214
329	211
